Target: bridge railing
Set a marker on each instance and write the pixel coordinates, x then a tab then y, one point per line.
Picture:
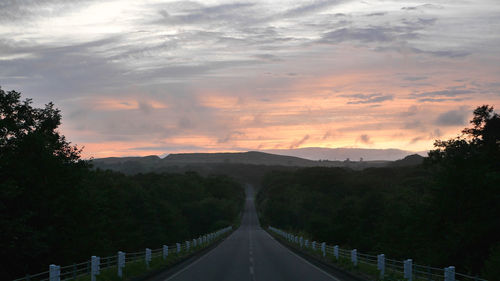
384	267
94	266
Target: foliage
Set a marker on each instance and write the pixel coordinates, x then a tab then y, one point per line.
55	209
442	213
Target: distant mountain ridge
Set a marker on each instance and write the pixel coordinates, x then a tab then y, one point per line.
246	167
341	154
250	157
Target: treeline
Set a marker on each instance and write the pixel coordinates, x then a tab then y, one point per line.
54	208
445	212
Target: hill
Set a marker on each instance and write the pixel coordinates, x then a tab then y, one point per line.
251	157
410	160
340	154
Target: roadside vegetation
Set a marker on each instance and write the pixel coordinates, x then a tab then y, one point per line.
443	212
54	208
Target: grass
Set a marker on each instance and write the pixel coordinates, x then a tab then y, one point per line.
369	270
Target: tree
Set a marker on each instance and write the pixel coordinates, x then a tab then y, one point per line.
480	144
54	209
39	176
21	124
466	189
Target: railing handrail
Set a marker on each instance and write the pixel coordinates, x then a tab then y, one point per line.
404	267
112	260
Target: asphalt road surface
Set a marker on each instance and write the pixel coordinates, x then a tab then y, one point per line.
251	254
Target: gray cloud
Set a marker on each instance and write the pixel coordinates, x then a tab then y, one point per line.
364	138
329	134
380	34
424	6
230	136
371	34
415	78
412	110
268	57
445	93
416	139
205	14
414	124
452	118
311	7
438	53
24	10
371	98
173	53
298	143
439	100
376	14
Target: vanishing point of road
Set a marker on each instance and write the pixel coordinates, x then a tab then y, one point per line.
250	254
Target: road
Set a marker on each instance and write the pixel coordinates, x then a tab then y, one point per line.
251	254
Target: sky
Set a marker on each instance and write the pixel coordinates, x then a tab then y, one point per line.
154	77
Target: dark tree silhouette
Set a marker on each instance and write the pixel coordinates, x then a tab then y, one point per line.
55	209
442	213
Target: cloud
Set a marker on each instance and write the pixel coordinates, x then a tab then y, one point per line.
452	117
376	14
437	53
382	34
268	57
300	142
415	78
439	100
365	99
313	7
424	6
329	134
364	138
414	124
411	111
416	139
435	134
205	14
230	136
141	73
24	10
371	34
445	93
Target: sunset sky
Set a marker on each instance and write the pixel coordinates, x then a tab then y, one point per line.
154	77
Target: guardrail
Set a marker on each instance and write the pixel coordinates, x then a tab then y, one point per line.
94	266
387	268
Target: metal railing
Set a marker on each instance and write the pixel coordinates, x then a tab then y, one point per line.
93	266
405	270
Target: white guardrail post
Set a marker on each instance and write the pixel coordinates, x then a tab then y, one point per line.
121	263
94	267
449	273
178	247
381	265
354	257
165	252
408	265
54	272
147	257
